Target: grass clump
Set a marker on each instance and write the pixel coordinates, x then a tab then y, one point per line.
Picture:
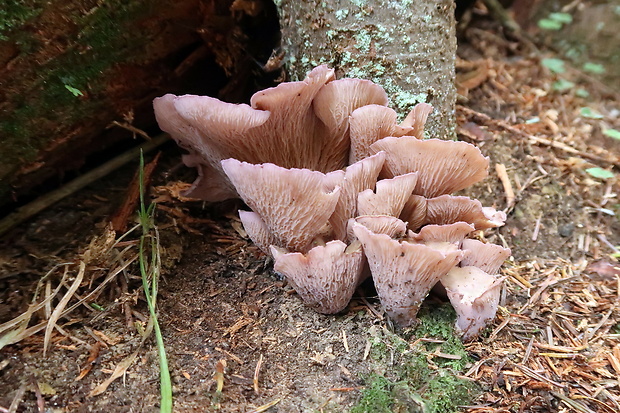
404	381
150	264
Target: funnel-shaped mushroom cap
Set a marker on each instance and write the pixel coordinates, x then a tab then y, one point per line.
367	125
326	277
414	212
446	209
293	203
453	233
442	237
444	166
257	231
357	177
379	224
416	119
389	197
403	272
294	125
211	183
487	257
474	294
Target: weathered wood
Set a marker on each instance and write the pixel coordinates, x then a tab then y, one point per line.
69	68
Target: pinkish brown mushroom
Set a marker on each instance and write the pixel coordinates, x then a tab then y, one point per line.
488	257
444	238
446	209
294	204
379	224
474	294
294	125
403	272
371	123
389	196
416	119
258	231
358	177
326	277
444	166
414	212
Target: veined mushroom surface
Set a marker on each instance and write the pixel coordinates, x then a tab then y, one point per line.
338	189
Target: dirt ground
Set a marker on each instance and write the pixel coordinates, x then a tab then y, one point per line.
554	346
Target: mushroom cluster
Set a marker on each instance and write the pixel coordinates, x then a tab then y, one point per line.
339	192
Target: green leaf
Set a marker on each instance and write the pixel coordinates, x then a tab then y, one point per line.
612	133
561	17
562	85
590	113
74	91
548	24
594	68
600	173
555	65
582	93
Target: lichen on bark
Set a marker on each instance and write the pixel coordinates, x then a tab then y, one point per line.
406	46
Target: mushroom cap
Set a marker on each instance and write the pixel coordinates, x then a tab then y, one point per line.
211	184
444	166
414	212
379	224
293	125
357	177
453	233
326	277
294	204
403	272
487	257
442	237
257	231
369	124
474	294
446	209
416	119
389	197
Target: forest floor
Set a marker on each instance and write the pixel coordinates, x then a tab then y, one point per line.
554	346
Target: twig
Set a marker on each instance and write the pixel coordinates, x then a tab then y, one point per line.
257	372
28	211
500	168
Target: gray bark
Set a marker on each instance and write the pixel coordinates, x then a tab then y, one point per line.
406	46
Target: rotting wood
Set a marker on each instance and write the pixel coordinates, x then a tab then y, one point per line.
28	211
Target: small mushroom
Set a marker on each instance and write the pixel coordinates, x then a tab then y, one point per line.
326	277
389	196
416	119
488	257
294	204
357	177
442	237
446	209
380	224
444	166
257	231
403	272
414	212
474	294
369	124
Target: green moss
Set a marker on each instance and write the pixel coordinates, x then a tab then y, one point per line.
376	397
53	103
14	13
409	384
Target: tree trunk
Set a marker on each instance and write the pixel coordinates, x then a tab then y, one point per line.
407	46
